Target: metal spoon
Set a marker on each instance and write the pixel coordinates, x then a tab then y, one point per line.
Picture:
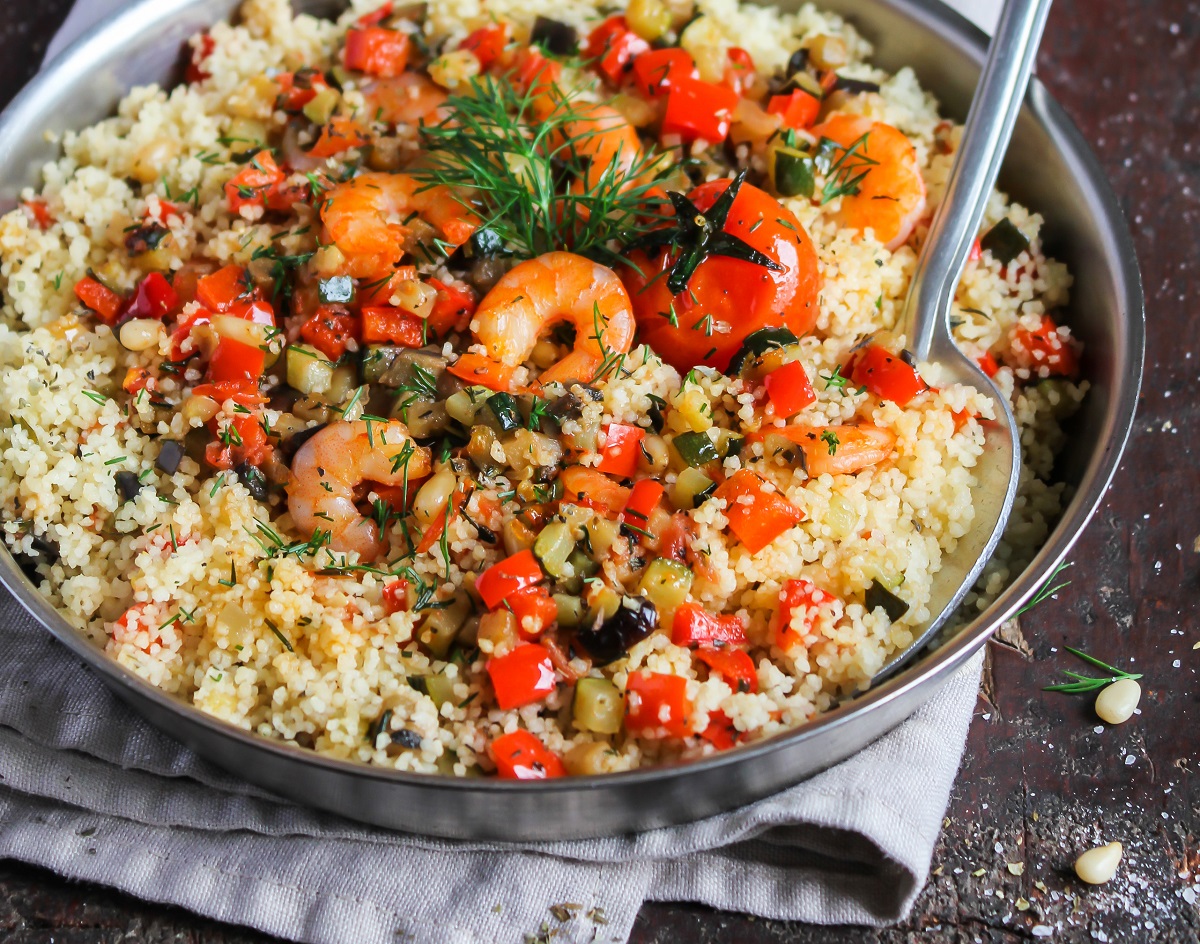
927	310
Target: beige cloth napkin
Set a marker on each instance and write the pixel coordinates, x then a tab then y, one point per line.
91	791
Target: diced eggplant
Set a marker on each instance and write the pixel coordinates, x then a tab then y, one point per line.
170	452
854	86
43	551
880	596
128	485
391	366
566	407
406	738
253	479
609	639
555	37
424	417
1004	241
797	61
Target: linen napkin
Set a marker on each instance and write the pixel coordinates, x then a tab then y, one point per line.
91	791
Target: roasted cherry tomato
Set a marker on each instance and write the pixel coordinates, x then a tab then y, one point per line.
726	298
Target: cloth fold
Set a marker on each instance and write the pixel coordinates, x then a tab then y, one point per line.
93	792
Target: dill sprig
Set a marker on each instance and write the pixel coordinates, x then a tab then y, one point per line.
517	165
1089	683
1048	589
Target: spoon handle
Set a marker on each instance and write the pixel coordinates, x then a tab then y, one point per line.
985	138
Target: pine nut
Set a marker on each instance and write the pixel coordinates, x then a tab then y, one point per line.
1116	702
1099	865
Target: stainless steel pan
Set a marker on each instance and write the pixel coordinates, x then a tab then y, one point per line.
1049	168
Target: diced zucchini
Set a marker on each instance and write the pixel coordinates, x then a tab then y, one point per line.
440	688
792	172
695	449
759	342
308	370
598	706
880	596
666	584
691	489
1004	241
423	417
464	404
503	409
319	109
338	290
553	547
570	609
442	625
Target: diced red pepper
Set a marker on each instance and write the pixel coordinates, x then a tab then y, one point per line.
487	43
391	325
337	135
507	577
656	705
591	489
453	308
614	46
482	370
695	626
184	331
39	212
534	609
243	392
195	71
283	197
395	596
297	89
240	438
99	298
699	110
619	456
237	362
257	311
797	594
523	676
225	288
733	665
433	533
987	363
721	732
798	109
1043	347
789	389
643	499
740	73
376	51
533	73
655	72
885	374
756	515
521	756
250	185
153	298
377	15
330	330
976	251
136	379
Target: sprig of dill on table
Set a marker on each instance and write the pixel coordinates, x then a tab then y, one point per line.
529	176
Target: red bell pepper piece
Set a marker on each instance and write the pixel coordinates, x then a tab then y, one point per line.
184	331
392	325
99	298
376	51
733	665
195	71
695	626
885	374
534	609
643	499
987	363
798	110
798	594
257	311
395	596
756	515
533	73
1043	347
740	73
507	577
453	308
337	135
376	16
655	72
523	676
487	43
237	362
656	705
619	456
614	46
482	370
250	185
789	389
297	89
153	298
721	732
699	110
330	331
240	438
39	212
225	288
136	380
521	756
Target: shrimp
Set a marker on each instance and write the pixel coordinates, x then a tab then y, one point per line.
365	219
599	137
553	288
327	468
836	450
891	197
409	98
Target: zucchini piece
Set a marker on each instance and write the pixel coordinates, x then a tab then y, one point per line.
598	706
553	547
759	342
880	596
338	290
793	172
308	370
695	449
692	489
504	408
666	584
1004	241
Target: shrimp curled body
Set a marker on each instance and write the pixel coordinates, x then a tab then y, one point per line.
554	288
327	469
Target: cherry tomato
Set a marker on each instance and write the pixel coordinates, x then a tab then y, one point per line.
726	298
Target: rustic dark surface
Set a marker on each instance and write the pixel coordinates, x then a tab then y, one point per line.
1040	781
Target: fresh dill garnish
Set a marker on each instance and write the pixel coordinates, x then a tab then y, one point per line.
844	174
1089	683
831	440
278	635
95	396
232	581
1048	589
493	144
835	381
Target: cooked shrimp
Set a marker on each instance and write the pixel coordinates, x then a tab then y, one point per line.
364	218
836	450
891	197
408	98
340	457
553	288
600	137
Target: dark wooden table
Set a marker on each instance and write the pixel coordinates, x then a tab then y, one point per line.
1040	781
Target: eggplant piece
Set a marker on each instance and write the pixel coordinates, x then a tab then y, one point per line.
253	479
392	366
1004	241
854	86
170	453
555	37
406	738
566	407
128	485
797	61
608	640
44	551
292	444
880	596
